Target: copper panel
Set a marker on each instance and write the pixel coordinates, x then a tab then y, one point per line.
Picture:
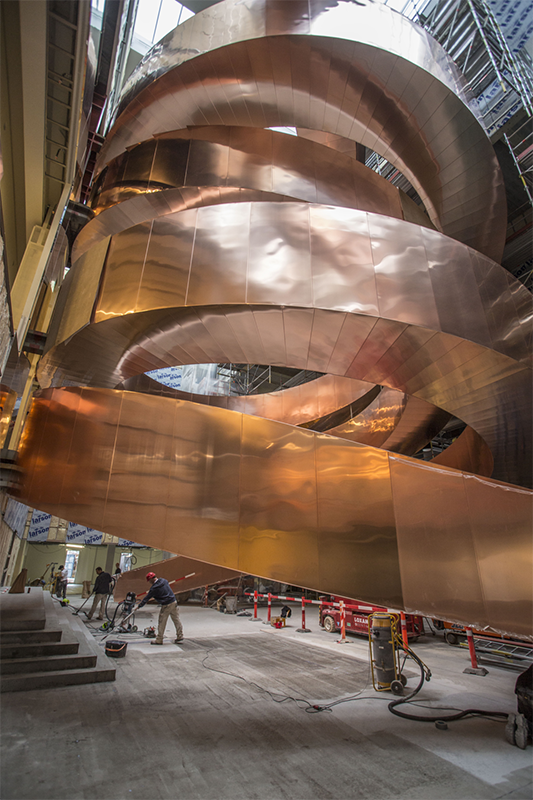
402	277
170	161
278	516
279	262
220	245
356	522
431	514
469	452
341	260
298	324
204	484
211	90
143	453
167	264
376	423
173	569
501	520
458	302
86	275
123	273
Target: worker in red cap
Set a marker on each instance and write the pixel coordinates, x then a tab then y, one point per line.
160	590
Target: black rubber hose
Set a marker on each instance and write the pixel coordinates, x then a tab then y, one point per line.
460	715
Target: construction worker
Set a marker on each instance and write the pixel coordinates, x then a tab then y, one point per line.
160	590
62	582
101	592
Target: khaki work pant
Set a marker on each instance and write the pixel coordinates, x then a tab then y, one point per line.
98	598
170	610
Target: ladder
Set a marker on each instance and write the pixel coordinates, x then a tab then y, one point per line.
502	652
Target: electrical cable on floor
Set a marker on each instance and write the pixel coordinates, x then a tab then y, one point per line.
425	674
252	683
309	708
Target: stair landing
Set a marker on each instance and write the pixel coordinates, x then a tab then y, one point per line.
43	645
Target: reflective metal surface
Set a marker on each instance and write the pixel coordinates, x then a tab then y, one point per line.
207	165
322	288
299	405
7	403
173	569
285	503
224	243
358	70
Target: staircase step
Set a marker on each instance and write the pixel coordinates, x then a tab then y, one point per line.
38	649
46	680
29	637
13	666
22	611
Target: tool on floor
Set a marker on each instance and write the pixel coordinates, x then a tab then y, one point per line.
82	605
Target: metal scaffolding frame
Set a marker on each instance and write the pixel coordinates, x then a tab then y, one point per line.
501	80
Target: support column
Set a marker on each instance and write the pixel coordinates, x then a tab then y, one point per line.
110	559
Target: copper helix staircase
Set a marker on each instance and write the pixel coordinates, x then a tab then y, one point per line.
216	240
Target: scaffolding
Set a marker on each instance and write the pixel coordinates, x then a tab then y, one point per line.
500	80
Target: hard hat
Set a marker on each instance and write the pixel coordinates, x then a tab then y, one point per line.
150	575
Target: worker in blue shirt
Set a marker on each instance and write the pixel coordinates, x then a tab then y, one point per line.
160	590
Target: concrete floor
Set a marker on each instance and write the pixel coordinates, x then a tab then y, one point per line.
176	725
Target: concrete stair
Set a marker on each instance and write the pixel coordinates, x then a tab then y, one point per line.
59	653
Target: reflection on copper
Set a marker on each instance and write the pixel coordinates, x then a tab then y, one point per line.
281	502
299	405
7	403
469	453
244	246
312	287
174	569
231	65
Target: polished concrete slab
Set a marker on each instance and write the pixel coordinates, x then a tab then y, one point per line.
213	718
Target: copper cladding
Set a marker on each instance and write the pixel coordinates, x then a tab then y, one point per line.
217	241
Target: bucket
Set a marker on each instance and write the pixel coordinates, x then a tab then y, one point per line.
116	649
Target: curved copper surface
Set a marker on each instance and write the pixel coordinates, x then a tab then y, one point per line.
349	292
393	421
468	452
202	575
356	69
313	287
250	158
299	404
207	165
285	503
376	423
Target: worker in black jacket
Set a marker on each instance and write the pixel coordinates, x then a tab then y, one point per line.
160	590
101	592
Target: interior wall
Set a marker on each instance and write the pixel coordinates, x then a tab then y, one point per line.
39	554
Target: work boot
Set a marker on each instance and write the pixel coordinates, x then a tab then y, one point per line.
178	641
521	732
156	642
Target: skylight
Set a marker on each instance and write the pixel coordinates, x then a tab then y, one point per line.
155	18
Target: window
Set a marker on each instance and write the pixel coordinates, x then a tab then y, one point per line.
125	561
71	563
